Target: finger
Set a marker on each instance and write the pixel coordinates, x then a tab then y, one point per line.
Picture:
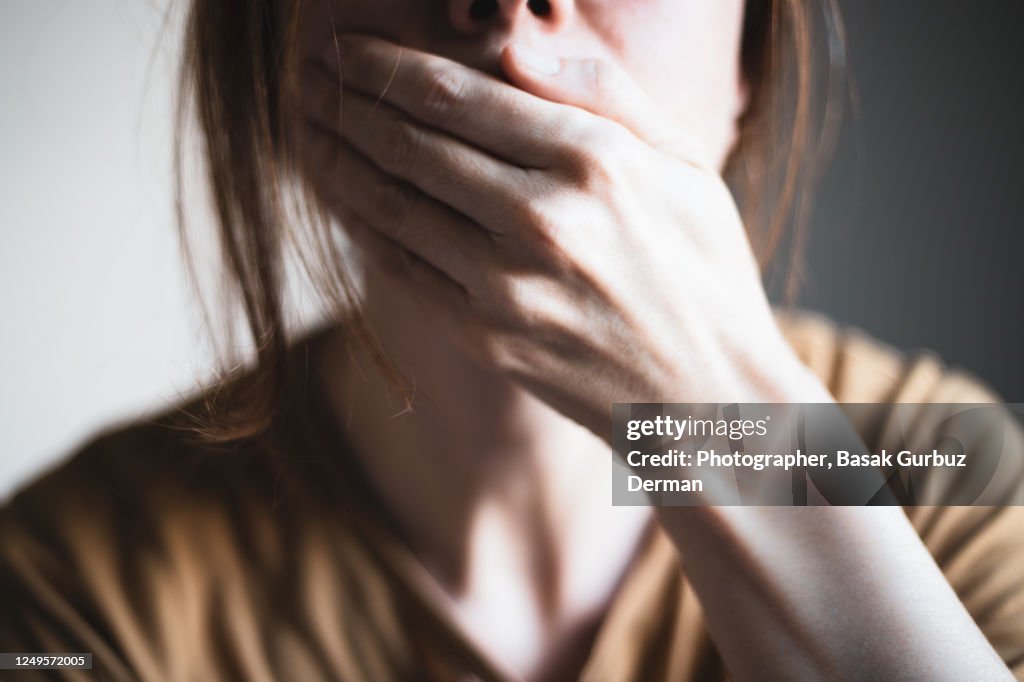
447	95
480	186
383	254
398	211
603	89
421	279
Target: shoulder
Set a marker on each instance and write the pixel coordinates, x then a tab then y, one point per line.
137	521
914	401
71	542
130	478
858	368
145	543
152	469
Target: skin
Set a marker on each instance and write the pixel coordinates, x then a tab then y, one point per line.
540	243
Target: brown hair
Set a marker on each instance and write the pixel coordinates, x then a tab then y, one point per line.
240	72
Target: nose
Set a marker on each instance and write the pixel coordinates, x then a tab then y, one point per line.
476	16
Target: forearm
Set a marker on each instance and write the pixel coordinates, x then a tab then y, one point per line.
826	593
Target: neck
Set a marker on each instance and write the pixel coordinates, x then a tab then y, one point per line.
473	441
494	491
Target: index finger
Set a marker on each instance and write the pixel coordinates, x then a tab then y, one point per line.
447	95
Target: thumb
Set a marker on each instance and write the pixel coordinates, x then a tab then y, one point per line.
600	87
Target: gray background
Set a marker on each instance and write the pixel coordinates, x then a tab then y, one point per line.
917	237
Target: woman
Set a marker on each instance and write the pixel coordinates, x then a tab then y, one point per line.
534	196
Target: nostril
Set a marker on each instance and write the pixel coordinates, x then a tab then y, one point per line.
483	9
541	8
480	10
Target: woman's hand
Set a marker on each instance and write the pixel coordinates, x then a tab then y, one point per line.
576	241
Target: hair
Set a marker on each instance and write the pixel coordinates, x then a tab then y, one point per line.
240	74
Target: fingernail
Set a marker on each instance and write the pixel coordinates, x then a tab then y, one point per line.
545	64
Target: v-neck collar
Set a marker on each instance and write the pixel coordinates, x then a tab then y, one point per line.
629	618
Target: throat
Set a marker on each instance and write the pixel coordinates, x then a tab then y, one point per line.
505	503
534	592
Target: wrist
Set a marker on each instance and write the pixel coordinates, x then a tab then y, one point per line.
780	376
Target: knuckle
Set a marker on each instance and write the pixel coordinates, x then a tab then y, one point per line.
514	297
595	154
442	96
523	302
542	223
527	322
573	126
537	219
591	174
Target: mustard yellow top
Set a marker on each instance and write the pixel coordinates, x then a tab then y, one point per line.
271	561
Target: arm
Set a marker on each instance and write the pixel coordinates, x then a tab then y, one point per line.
827	593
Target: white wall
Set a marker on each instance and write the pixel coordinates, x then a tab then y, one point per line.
97	324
